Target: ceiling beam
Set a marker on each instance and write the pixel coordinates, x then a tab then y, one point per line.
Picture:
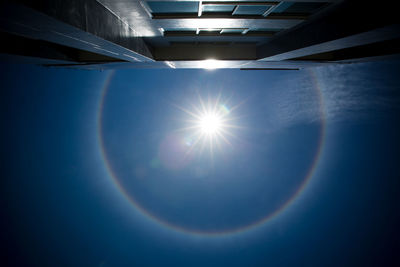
341	25
85	25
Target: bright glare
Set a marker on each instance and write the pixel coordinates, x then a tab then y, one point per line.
211	64
210	123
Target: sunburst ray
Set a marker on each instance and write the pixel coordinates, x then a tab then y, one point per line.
209	124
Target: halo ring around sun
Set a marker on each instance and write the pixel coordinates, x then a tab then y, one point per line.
209	124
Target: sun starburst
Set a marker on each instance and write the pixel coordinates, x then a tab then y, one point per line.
209	124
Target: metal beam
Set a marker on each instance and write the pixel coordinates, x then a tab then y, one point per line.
222	1
201	64
215	15
200	11
85	25
221	33
374	36
235	3
341	25
269	69
278	24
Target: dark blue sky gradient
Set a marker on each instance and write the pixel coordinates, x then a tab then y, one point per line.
60	207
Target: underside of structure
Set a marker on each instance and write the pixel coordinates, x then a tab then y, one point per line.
245	34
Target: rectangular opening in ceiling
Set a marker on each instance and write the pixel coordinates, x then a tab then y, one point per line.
173	7
251	10
218	8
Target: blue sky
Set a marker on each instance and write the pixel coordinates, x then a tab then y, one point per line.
61	206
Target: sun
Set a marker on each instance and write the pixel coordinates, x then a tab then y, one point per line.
208	124
211	124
